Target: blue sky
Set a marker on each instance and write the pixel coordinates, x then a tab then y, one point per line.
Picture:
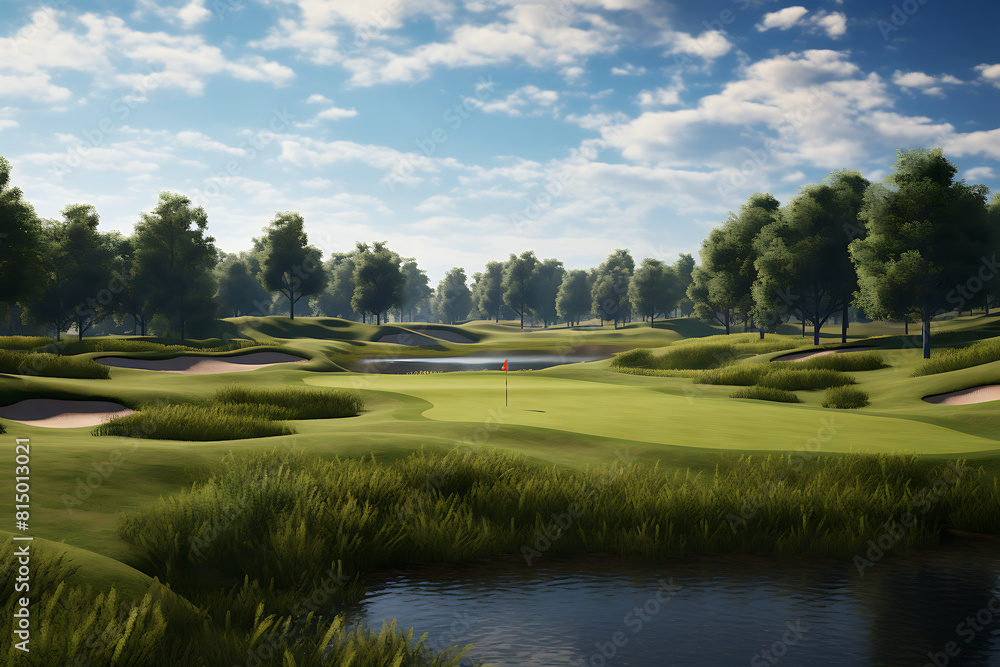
463	130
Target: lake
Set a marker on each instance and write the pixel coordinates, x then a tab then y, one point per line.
481	361
911	609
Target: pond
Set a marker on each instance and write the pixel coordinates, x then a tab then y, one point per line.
479	361
931	606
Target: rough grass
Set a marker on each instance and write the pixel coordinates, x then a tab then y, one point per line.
943	361
845	398
288	403
24	342
51	365
193	423
73	625
805	380
702	354
741	375
848	362
3	429
766	394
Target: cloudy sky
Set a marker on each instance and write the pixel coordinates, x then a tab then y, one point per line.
463	130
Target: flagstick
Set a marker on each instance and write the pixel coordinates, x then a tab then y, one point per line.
505	389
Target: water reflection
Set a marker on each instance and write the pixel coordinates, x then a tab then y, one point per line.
717	610
491	361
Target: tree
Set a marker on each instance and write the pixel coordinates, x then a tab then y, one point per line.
335	300
488	292
240	291
684	268
378	280
290	265
654	288
924	248
173	262
609	292
20	244
573	300
548	276
453	299
722	287
516	284
803	254
416	291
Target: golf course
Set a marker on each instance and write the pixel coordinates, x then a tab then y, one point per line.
214	541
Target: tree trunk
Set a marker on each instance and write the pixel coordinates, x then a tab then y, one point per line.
906	327
927	335
79	328
727	322
762	333
182	328
803	326
816	332
843	324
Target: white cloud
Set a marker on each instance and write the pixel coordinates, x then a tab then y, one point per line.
661	97
628	70
526	100
709	45
834	23
989	73
979	174
318	99
782	19
317	183
925	83
334	113
203	142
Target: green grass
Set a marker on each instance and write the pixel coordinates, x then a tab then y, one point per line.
976	354
24	342
192	423
290	403
846	362
51	365
739	375
766	394
3	429
703	353
845	398
805	380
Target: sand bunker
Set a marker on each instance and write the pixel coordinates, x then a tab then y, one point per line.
204	365
425	337
989	392
802	356
58	413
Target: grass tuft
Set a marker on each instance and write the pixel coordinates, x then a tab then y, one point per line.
943	361
24	342
192	423
51	365
845	398
741	375
805	380
766	394
846	362
289	403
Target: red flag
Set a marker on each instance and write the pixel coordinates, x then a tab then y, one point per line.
504	365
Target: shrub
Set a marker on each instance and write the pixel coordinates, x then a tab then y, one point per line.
807	380
845	362
289	403
51	365
637	358
845	398
193	423
766	394
943	361
740	375
3	429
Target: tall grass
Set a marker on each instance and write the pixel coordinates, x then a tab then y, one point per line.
846	398
846	362
766	394
24	342
703	353
289	403
808	380
739	375
51	365
943	361
192	423
3	429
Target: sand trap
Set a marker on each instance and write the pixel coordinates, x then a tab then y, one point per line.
989	392
58	413
802	356
204	365
426	337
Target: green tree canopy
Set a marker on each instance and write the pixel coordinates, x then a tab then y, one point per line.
378	280
548	276
929	241
20	244
416	290
240	292
290	265
488	292
654	288
453	299
517	282
573	300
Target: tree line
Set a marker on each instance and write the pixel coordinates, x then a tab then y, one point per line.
908	250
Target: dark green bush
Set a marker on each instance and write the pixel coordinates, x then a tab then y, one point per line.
845	398
766	394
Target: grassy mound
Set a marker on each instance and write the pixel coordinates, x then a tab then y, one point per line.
954	359
849	362
51	365
766	394
702	354
741	375
192	423
805	380
845	398
24	342
288	403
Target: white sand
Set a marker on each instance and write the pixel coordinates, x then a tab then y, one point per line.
58	413
425	337
989	392
194	365
802	356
